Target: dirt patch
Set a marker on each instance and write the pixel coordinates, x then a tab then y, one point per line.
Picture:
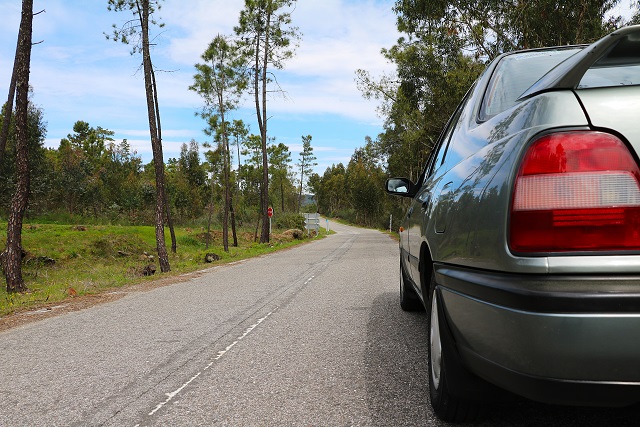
82	302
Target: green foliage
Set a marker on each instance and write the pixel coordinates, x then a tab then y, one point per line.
365	180
279	166
444	49
191	241
187	182
267	40
306	164
221	79
39	162
490	27
356	192
288	220
93	259
330	191
262	20
131	31
108	245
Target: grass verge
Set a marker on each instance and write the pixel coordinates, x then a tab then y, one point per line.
69	261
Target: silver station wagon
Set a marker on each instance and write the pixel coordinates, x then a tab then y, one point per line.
522	239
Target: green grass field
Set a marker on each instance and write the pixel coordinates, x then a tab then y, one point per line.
94	258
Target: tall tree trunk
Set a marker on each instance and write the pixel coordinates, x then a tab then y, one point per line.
231	208
156	143
301	179
8	107
233	222
264	235
211	196
255	236
12	256
225	177
208	239
282	193
174	244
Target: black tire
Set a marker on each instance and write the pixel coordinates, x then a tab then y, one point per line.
446	406
409	300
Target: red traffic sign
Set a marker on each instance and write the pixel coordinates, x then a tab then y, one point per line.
270	212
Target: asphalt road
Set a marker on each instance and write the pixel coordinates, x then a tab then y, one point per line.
311	336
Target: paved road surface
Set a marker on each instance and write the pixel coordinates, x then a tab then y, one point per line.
311	336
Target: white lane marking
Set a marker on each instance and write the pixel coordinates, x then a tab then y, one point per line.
173	394
221	353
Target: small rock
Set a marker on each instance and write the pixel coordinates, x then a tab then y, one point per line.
149	270
211	257
42	260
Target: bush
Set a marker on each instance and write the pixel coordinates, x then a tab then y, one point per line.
288	220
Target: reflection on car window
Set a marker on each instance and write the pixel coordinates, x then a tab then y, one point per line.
611	76
444	145
620	66
445	138
515	74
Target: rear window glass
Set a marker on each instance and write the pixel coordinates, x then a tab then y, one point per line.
515	74
620	66
611	76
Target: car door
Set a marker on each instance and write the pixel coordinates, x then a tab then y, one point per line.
422	203
433	189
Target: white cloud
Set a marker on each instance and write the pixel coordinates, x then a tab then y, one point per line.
79	75
338	37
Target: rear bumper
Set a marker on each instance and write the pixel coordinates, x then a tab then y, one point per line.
557	339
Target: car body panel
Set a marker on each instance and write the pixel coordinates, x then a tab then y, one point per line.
616	108
477	183
564	346
555	327
535	335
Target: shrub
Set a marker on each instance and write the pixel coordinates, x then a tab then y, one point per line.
288	220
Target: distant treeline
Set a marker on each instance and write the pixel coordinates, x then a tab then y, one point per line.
90	175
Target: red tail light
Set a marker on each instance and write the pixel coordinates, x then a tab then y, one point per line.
576	191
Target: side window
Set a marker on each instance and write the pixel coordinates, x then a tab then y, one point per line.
445	137
444	147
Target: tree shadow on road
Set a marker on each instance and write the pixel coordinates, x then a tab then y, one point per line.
396	364
397	381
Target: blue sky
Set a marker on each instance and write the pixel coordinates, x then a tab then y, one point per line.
77	74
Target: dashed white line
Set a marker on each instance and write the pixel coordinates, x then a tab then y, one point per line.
221	353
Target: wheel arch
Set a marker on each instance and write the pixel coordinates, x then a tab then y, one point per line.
426	268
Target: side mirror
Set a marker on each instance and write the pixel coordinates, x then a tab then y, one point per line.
400	187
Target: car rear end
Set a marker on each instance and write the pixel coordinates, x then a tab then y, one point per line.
561	323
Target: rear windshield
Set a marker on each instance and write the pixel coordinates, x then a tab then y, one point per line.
515	74
620	66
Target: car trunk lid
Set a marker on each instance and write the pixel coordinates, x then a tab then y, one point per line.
615	109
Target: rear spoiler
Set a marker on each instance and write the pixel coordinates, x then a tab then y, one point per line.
615	49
